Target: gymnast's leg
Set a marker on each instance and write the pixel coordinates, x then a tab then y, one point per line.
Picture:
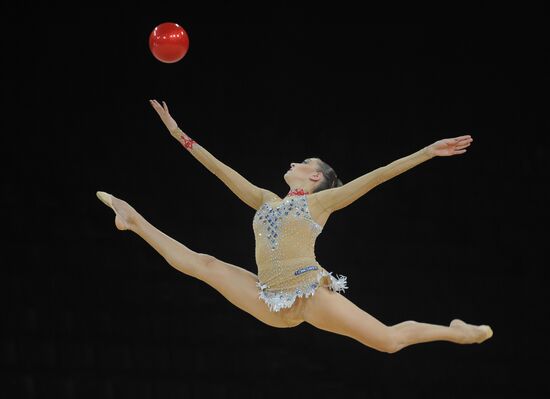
333	312
236	284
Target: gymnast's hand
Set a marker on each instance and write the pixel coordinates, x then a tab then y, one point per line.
447	147
164	114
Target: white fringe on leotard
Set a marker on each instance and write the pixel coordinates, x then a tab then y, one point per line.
277	300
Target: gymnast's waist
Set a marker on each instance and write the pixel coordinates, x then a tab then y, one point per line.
287	263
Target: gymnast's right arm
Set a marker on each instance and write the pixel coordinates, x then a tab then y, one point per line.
250	194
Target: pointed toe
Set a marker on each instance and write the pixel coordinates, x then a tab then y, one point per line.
489	331
105	198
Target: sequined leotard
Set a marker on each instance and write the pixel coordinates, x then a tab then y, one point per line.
284	229
285	242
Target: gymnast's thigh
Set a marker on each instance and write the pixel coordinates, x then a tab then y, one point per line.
238	286
331	311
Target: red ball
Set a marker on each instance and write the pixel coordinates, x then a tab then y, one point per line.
168	42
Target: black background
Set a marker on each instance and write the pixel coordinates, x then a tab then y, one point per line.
91	312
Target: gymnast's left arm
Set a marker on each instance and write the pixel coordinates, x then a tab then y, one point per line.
337	198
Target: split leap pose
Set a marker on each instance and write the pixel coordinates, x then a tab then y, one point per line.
291	286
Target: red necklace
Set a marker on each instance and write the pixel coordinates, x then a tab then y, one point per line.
297	191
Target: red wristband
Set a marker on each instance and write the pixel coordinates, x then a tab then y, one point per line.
185	140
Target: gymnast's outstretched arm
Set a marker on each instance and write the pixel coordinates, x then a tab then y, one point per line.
340	197
249	193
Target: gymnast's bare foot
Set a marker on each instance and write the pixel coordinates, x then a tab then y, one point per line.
471	333
125	215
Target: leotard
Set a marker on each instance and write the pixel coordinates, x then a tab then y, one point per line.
285	241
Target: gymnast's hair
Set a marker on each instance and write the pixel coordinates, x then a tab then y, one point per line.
330	179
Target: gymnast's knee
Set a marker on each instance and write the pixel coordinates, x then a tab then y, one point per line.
397	336
392	342
194	264
206	259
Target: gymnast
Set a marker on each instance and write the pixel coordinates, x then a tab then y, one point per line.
291	286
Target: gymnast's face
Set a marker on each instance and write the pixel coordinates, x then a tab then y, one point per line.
304	174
